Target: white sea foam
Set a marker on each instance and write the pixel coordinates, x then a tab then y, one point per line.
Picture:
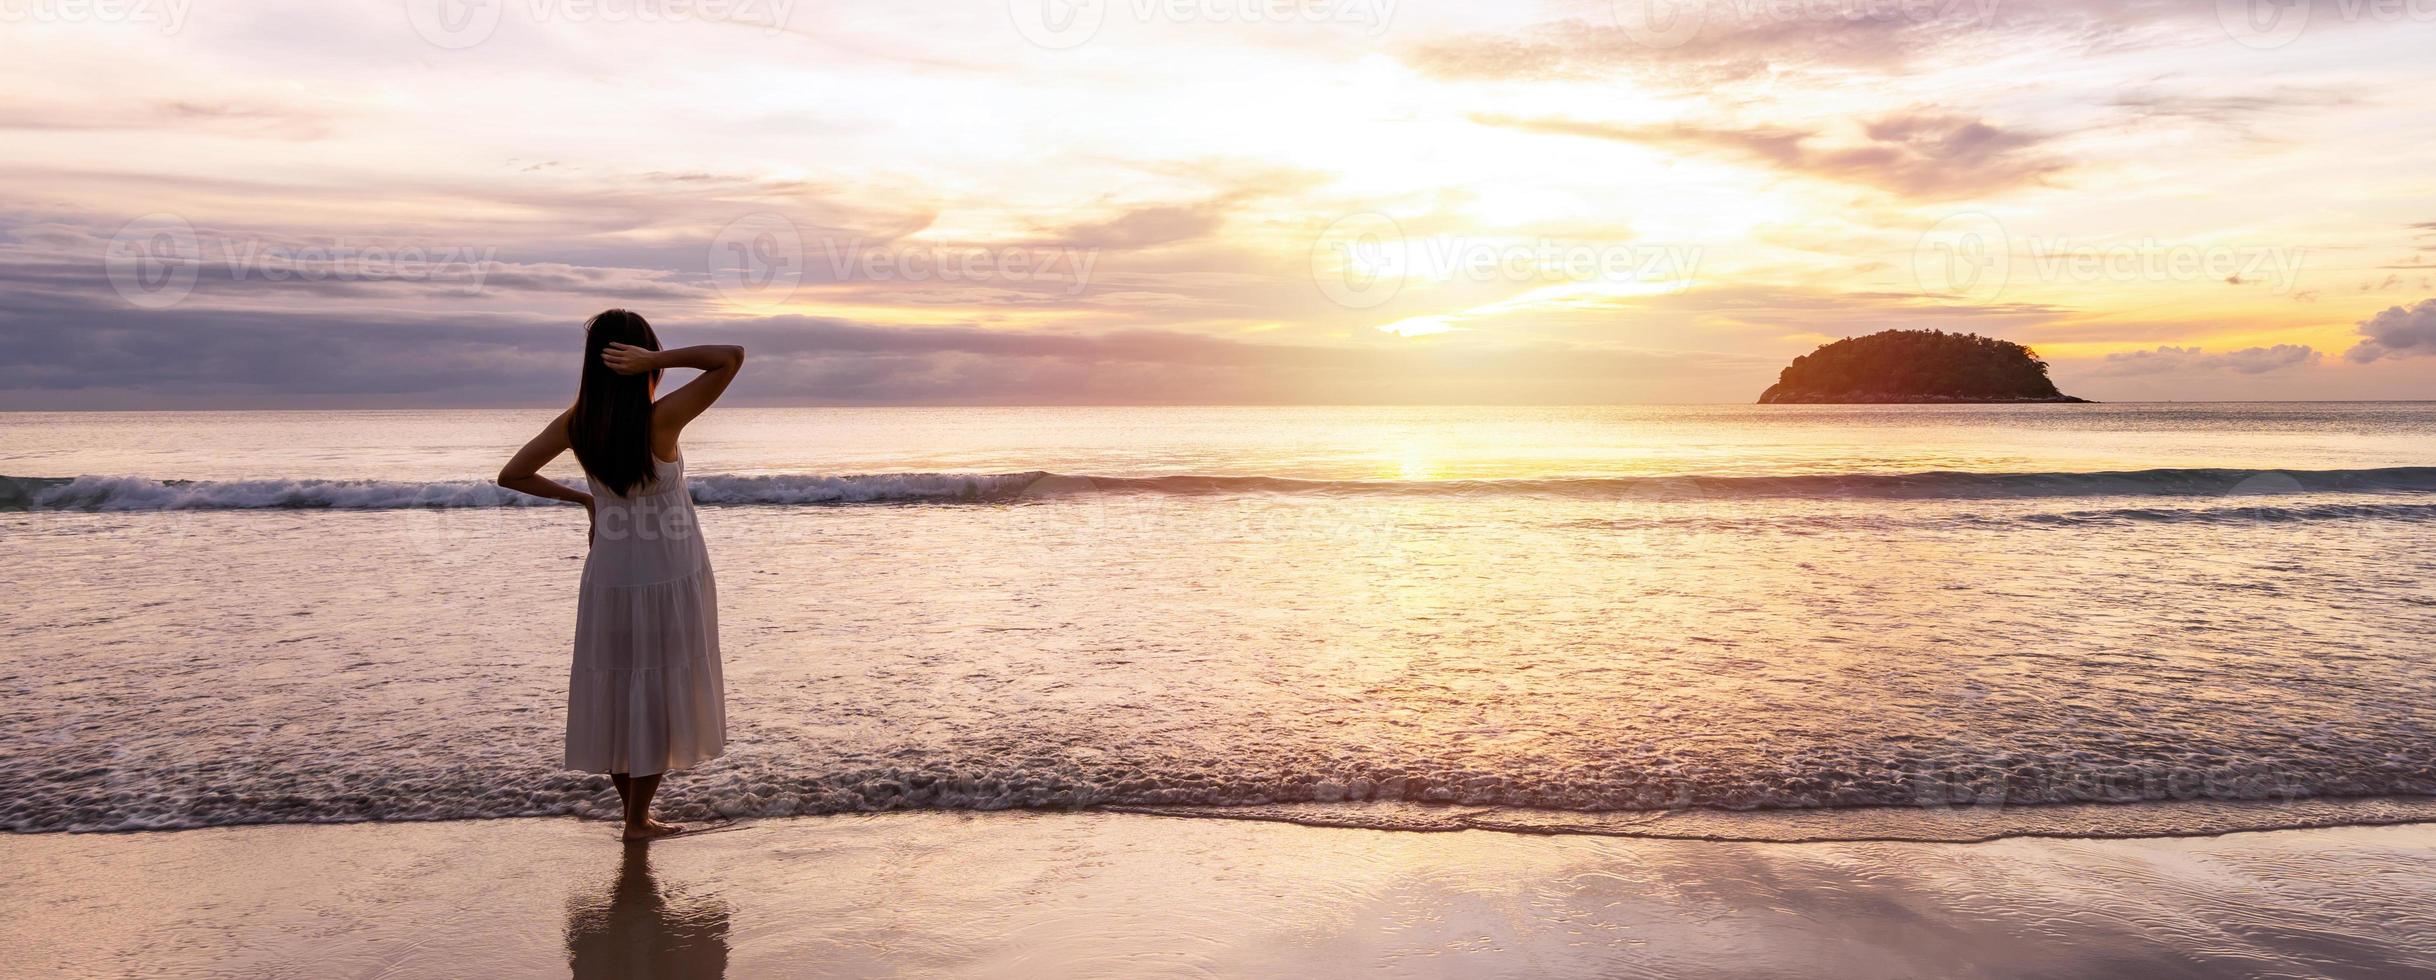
127	493
1581	653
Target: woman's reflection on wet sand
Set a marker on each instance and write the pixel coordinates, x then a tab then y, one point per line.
638	931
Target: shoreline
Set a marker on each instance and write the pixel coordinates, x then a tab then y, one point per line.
1958	824
1079	894
1948	824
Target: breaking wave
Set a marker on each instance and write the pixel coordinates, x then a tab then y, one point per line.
132	493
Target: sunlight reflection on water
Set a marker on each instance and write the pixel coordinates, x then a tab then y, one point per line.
1651	645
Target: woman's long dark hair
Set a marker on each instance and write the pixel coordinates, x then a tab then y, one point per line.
610	428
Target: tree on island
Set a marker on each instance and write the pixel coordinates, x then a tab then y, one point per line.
1916	366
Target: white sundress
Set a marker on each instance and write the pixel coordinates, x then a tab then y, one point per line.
645	695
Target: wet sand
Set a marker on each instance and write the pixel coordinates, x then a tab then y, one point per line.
1050	895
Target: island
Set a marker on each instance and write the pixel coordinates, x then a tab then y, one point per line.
1915	366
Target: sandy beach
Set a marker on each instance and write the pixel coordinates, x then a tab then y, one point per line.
1070	895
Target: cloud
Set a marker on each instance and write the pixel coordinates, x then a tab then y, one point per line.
67	354
572	213
2188	360
1706	43
1147	227
2237	113
1203	200
1917	153
2397	332
1723	47
1697	44
74	261
223	118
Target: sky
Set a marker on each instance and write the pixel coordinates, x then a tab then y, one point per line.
214	204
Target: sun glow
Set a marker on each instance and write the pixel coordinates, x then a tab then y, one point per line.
1520	182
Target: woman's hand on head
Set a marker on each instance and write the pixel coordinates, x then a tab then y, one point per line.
627	358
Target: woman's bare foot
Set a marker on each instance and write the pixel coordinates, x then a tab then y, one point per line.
652	828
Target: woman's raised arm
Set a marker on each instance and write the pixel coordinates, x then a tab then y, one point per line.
717	362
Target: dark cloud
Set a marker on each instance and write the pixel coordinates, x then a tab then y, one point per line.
654	238
1717	47
669	218
2397	332
259	119
2188	360
1922	153
2242	113
1788	309
278	269
1710	43
67	354
1147	227
74	260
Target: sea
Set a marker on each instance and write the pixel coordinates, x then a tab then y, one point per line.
1781	622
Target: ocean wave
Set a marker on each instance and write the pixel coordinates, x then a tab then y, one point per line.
2250	514
1979	799
133	493
2236	514
129	493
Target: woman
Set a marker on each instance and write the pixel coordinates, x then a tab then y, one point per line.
645	697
